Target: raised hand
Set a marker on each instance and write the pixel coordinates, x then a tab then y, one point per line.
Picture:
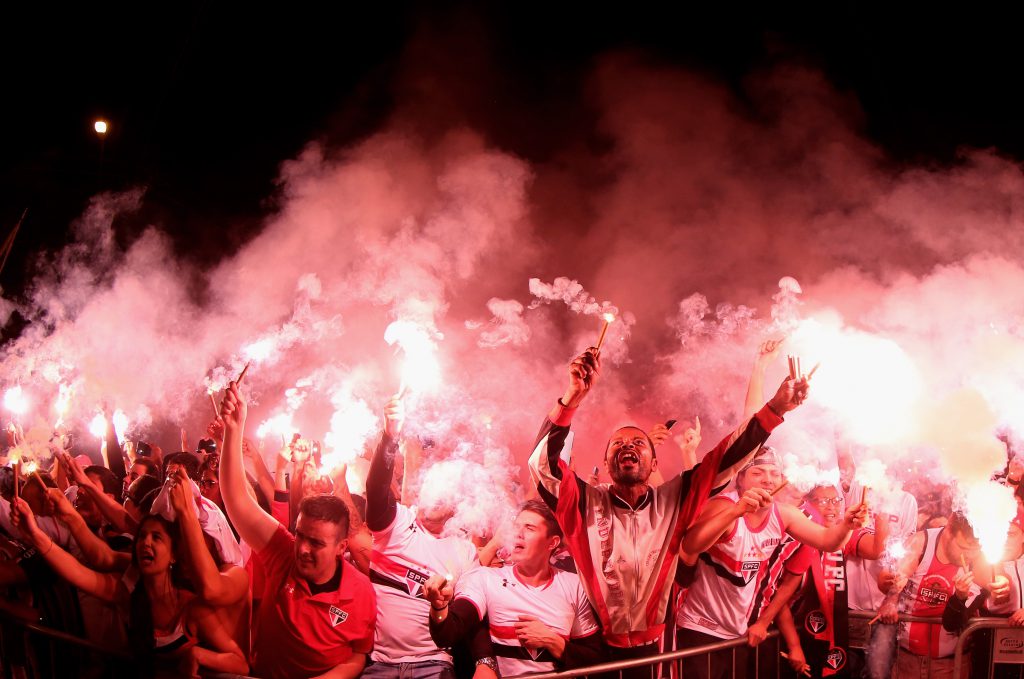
394	417
690	438
233	409
180	495
659	433
74	471
584	372
753	500
768	351
962	584
215	430
790	395
61	507
24	520
856	516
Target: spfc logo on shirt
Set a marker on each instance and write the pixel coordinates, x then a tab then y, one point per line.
934	590
338	616
835	659
414	580
815	622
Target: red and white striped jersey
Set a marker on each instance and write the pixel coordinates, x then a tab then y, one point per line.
404	556
729	575
499	594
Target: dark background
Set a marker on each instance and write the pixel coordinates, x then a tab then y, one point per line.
205	102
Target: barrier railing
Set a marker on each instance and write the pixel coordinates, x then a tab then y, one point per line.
975	625
56	641
670	657
706	650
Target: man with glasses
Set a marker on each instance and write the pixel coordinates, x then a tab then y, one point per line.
821	619
731	544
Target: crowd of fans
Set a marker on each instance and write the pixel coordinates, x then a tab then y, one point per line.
209	562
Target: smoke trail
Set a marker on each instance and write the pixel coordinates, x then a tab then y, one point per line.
697	212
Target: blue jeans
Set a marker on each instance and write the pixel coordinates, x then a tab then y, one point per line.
428	669
880	652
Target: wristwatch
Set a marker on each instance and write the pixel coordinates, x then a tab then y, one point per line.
491	662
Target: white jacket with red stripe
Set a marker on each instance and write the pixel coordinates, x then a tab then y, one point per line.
627	556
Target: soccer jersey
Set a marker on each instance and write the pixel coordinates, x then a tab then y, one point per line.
930	587
300	634
862	574
499	594
404	556
729	575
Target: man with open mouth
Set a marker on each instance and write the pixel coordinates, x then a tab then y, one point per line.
625	538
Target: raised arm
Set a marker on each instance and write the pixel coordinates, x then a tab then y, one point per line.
766	353
96	552
360	542
112	511
213	586
101	585
718	518
819	537
381	503
549	460
253	524
259	467
115	456
872	545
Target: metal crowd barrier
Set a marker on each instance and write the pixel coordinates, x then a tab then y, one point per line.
977	624
676	658
678	655
58	644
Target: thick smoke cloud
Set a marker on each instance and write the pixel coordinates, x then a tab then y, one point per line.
905	282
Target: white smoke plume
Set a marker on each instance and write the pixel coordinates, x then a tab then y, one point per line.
905	282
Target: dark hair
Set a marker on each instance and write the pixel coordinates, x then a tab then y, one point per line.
140	488
152	468
958	523
540	508
140	608
326	508
110	483
187	460
211	463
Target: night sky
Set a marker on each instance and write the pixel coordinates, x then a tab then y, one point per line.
206	102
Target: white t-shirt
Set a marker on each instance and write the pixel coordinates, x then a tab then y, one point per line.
499	594
862	574
404	556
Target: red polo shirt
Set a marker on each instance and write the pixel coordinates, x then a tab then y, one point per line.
302	635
